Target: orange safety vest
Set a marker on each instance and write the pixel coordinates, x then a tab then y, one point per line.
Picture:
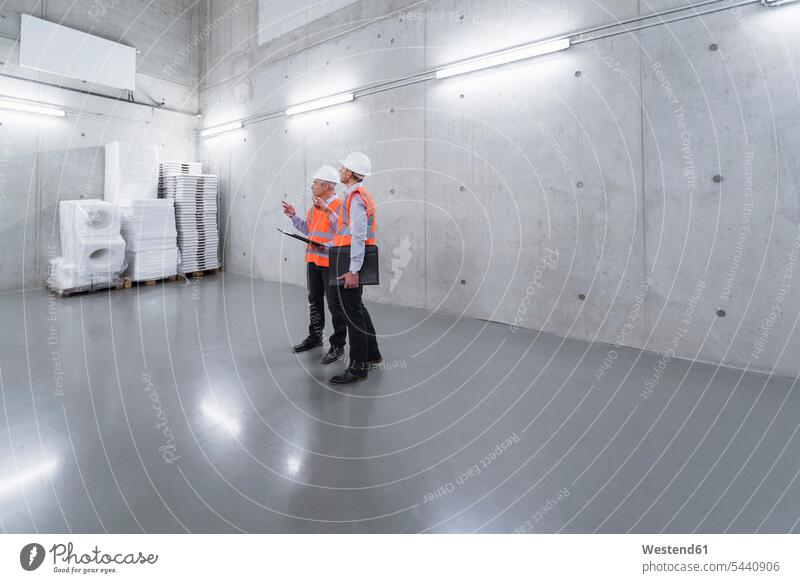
342	236
320	230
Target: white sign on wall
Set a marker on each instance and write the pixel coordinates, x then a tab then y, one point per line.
52	48
279	17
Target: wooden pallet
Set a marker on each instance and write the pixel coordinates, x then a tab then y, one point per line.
65	293
214	271
148	282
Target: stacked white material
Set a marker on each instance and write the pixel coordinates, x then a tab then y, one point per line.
93	252
148	227
195	199
172	168
147	265
131	172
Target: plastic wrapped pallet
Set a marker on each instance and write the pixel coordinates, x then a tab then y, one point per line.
64	276
92	249
99	255
131	172
86	264
82	219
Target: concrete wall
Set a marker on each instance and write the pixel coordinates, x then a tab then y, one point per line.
43	160
657	168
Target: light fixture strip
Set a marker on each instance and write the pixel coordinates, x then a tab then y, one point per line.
220	129
502	58
31	108
320	103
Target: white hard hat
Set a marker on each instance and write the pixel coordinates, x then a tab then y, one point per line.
327	173
358	163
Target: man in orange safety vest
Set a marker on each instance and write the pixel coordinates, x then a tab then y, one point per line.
318	229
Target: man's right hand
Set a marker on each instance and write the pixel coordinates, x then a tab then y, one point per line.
288	209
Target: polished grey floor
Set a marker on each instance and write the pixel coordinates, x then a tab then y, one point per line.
179	408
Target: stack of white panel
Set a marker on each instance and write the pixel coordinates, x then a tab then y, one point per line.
148	227
131	172
93	252
172	168
195	199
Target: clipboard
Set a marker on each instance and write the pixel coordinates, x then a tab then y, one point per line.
300	238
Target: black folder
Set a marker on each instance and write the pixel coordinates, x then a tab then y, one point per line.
340	264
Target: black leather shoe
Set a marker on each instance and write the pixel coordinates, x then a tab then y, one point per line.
308	344
333	355
376	360
348	377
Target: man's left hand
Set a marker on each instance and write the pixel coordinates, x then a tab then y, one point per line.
350	280
322	205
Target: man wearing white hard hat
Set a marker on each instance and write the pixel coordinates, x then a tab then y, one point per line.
354	223
317	227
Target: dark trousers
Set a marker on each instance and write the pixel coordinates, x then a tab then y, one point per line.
318	289
363	342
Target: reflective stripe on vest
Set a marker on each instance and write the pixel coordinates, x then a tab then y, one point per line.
342	237
320	230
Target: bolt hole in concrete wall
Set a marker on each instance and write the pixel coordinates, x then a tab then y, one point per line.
639	117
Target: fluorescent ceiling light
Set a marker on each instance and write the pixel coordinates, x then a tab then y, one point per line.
228	127
503	57
320	103
31	108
